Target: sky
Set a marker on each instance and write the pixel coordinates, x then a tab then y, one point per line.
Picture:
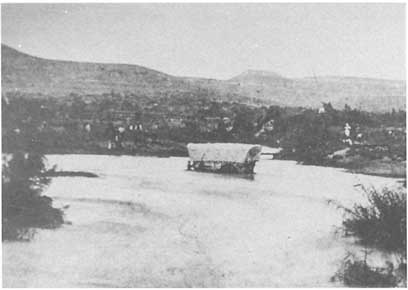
217	40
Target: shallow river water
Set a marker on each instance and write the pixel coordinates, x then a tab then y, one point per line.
147	222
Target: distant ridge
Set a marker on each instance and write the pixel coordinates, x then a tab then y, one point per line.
257	73
34	76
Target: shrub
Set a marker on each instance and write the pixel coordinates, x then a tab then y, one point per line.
382	223
23	206
356	273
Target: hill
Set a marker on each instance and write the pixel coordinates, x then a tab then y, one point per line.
364	93
32	75
36	76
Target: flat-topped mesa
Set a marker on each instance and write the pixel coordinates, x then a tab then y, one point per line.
223	157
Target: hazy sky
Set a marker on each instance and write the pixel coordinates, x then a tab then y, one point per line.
217	40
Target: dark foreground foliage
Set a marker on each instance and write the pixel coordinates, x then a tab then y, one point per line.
356	273
23	206
382	223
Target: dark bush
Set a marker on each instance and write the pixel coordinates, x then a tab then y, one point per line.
356	273
382	223
23	206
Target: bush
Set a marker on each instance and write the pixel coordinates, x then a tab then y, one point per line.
356	273
23	206
382	223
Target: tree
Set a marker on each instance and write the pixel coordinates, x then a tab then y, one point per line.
23	180
312	142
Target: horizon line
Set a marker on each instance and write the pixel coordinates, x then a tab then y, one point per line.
205	78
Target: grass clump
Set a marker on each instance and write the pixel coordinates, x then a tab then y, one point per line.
382	223
356	273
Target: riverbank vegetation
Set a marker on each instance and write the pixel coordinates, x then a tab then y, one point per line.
382	223
357	273
24	177
379	225
24	208
365	142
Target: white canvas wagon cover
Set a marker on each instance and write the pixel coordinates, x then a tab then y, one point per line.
224	152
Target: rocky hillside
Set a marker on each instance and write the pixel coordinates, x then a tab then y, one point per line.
37	76
33	75
368	94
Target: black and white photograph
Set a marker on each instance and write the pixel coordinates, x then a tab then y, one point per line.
203	145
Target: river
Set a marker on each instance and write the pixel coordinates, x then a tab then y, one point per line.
147	222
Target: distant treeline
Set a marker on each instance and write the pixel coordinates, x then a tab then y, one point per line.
163	125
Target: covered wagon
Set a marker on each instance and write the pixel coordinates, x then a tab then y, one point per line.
223	157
